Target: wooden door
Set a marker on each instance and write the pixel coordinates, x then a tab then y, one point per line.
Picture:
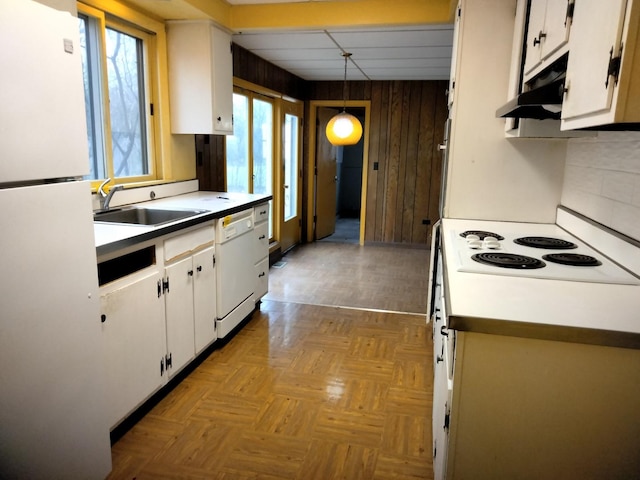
326	177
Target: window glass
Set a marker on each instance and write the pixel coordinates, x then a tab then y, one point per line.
262	146
238	147
126	104
290	151
89	51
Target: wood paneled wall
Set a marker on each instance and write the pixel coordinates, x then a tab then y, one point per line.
404	171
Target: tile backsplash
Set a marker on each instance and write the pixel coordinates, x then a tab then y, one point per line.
602	180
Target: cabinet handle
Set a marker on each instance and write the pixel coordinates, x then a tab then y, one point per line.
262	237
443	331
261	275
538	40
103	318
190	273
439	359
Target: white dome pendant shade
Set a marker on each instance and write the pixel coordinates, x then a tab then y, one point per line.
344	128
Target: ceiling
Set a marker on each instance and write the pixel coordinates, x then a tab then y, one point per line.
419	52
390	52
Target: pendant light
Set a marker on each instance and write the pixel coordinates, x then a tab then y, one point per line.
344	128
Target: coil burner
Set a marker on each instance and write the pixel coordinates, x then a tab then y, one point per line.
574	259
548	243
508	260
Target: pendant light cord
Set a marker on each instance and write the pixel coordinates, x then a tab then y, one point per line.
346	56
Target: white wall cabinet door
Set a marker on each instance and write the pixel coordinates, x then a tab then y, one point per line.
200	78
597	36
179	313
549	25
133	331
204	298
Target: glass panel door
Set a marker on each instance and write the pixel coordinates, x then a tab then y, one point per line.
290	154
291	172
249	151
262	135
238	147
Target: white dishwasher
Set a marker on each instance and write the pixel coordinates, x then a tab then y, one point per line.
235	270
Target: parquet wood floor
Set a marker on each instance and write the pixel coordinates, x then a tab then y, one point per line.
301	392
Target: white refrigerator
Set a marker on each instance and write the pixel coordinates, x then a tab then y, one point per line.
53	421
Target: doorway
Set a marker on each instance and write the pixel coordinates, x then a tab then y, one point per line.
337	177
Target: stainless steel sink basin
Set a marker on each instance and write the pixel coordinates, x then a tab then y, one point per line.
144	216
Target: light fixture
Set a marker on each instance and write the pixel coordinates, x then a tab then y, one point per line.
344	128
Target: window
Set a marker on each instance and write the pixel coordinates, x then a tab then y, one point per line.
118	97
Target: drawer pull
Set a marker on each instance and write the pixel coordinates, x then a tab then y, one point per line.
443	331
262	237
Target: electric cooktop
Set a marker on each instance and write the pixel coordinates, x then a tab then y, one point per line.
544	251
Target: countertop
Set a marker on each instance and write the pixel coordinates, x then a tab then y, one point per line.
583	312
111	237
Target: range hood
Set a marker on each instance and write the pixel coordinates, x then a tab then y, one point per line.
541	102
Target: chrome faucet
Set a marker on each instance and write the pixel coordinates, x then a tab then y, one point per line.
106	197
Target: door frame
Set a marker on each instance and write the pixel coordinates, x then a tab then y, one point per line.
311	155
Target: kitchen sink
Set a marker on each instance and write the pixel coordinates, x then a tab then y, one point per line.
144	216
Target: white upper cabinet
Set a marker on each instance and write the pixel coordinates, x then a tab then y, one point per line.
454	57
603	80
548	33
200	78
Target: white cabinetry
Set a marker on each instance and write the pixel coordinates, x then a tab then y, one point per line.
204	298
200	78
529	409
454	58
548	32
158	312
134	338
261	250
603	75
190	286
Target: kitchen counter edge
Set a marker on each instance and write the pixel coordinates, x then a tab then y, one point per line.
162	230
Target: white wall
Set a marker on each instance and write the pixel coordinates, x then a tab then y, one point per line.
602	180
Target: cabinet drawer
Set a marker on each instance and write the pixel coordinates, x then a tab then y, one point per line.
261	213
261	248
262	279
188	243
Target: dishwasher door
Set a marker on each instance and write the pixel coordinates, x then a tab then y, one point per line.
235	269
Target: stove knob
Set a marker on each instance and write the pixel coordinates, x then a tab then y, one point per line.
472	238
491	244
475	244
490	239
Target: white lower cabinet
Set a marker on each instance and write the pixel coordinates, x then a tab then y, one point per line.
204	298
134	336
261	250
190	296
529	408
156	317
